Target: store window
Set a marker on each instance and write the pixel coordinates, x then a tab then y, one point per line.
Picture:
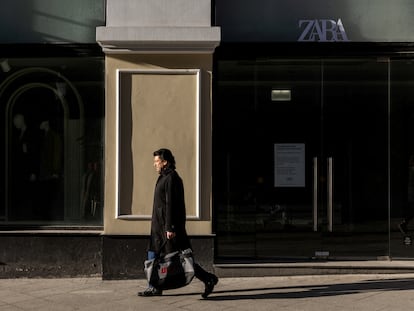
52	139
327	171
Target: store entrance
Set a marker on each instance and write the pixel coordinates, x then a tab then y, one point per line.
302	151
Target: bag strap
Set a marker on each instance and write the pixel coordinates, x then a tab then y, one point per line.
163	245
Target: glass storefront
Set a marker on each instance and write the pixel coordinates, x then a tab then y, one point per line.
311	157
52	110
52	107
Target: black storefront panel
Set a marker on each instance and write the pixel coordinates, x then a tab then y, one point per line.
315	21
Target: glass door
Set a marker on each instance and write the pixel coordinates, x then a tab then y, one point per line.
289	142
355	156
301	159
402	158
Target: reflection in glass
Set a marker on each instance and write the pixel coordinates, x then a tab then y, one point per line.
53	138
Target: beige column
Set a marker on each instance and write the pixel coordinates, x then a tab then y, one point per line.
158	95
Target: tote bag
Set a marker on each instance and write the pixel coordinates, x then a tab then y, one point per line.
173	270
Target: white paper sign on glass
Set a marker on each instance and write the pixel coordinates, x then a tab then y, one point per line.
289	165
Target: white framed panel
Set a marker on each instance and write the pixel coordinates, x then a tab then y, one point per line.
156	108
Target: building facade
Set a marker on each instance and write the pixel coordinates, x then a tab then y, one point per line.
312	130
159	61
291	124
52	137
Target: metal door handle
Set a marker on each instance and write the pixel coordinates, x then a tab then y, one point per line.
315	194
330	194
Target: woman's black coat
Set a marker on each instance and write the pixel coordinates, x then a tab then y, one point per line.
168	213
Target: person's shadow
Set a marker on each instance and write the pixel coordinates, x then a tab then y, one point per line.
309	291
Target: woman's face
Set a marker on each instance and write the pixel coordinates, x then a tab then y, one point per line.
159	164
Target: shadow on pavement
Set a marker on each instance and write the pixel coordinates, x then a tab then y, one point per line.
309	291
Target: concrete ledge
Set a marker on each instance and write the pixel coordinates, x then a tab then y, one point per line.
158	39
51	232
313	268
50	256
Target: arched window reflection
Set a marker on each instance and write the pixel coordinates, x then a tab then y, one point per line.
53	153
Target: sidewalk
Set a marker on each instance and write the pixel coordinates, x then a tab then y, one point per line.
327	292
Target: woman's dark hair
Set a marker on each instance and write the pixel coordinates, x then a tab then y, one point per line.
166	155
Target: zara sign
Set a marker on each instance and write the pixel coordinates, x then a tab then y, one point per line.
322	30
315	21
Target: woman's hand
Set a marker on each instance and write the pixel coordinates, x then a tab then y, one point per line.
170	235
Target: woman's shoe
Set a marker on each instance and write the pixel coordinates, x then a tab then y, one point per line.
149	292
209	286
